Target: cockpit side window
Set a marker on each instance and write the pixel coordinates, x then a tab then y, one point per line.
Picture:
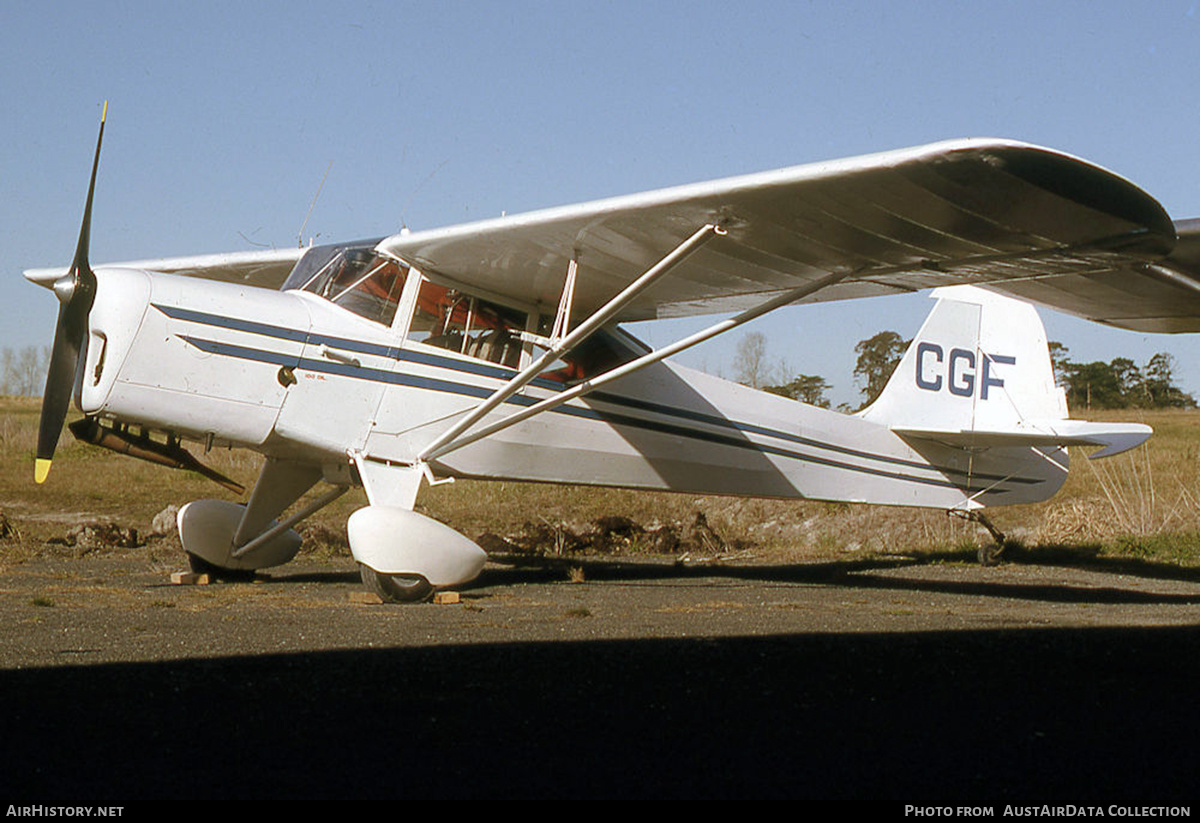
605	349
450	319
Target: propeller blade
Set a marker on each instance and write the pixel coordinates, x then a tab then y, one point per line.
76	291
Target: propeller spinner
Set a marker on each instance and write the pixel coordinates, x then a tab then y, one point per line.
76	290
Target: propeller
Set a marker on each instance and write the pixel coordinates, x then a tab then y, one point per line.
76	290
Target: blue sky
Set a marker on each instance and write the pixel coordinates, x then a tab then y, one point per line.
223	118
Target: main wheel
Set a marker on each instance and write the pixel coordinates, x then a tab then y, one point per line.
396	588
201	566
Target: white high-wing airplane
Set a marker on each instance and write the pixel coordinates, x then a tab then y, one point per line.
492	349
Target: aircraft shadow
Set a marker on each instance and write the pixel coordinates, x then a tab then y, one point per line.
851	574
1080	716
857	574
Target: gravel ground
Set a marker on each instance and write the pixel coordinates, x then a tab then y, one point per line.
891	681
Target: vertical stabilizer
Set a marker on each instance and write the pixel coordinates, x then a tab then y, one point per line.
979	363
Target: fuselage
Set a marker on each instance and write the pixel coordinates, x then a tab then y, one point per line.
297	375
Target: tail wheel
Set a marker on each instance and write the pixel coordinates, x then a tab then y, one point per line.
396	588
991	554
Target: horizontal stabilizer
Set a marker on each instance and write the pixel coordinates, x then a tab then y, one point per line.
1114	437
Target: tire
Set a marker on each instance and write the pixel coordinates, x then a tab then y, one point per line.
396	588
201	566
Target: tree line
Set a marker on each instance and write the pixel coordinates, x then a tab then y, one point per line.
23	371
753	368
1118	384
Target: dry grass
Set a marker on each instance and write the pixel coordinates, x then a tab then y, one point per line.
1141	504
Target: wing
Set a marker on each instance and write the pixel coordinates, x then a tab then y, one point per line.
1035	222
1159	296
267	269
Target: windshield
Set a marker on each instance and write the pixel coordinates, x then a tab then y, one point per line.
354	277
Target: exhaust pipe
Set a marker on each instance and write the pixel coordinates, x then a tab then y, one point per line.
170	454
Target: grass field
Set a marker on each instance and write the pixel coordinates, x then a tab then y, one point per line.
1143	505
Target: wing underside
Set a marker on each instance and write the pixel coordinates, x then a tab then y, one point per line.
265	269
1030	221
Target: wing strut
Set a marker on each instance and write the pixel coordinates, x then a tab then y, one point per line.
558	347
586	386
562	319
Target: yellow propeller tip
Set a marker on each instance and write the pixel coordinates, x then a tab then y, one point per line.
41	468
104	112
